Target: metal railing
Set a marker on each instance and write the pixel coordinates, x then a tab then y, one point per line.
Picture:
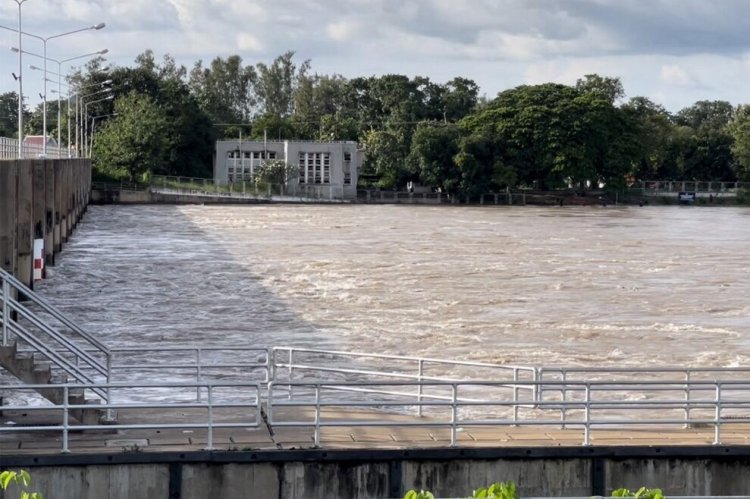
674	186
9	150
188	364
318	405
69	348
227	405
290	364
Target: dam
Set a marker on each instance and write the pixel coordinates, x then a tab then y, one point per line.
573	288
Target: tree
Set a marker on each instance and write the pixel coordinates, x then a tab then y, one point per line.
276	172
654	131
740	131
275	84
432	150
459	98
9	114
605	87
224	90
704	114
135	142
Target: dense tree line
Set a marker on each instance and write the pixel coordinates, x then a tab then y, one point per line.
165	119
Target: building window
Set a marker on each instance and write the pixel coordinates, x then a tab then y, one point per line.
314	168
347	168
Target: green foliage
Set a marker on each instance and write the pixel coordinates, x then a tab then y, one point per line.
413	494
21	479
412	129
135	142
498	490
642	493
276	171
739	128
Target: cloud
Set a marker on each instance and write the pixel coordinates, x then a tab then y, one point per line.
676	75
655	45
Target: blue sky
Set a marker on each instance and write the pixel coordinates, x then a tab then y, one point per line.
673	51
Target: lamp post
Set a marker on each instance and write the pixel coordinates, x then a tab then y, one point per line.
44	44
80	125
20	84
68	98
93	129
87	152
59	83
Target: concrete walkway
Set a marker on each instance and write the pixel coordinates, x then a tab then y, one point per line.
401	435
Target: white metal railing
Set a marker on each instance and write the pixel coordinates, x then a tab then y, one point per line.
318	405
9	150
227	405
64	344
187	364
290	364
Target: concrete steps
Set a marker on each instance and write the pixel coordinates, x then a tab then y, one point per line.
32	371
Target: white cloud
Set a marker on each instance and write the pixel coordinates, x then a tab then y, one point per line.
676	75
681	49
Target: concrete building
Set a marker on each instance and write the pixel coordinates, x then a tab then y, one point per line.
326	170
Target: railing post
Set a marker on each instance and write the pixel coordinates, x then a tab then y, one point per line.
6	317
210	418
515	396
66	419
564	407
290	371
538	376
717	415
317	415
108	391
419	387
587	426
454	410
198	373
687	399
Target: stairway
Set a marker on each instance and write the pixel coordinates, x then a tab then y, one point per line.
59	354
26	367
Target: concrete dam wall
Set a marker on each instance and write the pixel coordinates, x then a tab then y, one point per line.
39	200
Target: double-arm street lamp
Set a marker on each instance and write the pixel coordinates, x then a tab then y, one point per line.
59	83
87	151
68	97
44	41
20	84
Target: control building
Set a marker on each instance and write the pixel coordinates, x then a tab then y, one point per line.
325	170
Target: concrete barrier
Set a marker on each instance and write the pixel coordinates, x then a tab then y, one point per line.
39	199
269	474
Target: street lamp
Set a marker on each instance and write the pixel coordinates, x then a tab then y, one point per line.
93	129
69	95
79	110
87	152
59	90
20	84
44	43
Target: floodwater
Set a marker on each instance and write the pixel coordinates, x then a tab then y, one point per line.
588	286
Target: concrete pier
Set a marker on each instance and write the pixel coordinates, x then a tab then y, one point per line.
39	199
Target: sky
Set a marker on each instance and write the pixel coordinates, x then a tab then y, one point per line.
674	52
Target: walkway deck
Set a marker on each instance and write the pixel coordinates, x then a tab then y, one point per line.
262	437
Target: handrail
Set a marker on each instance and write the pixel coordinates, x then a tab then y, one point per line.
50	309
591	411
12	306
57	359
245	399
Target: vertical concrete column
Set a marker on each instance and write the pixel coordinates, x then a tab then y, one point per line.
75	171
8	171
49	198
25	210
39	221
67	205
58	175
